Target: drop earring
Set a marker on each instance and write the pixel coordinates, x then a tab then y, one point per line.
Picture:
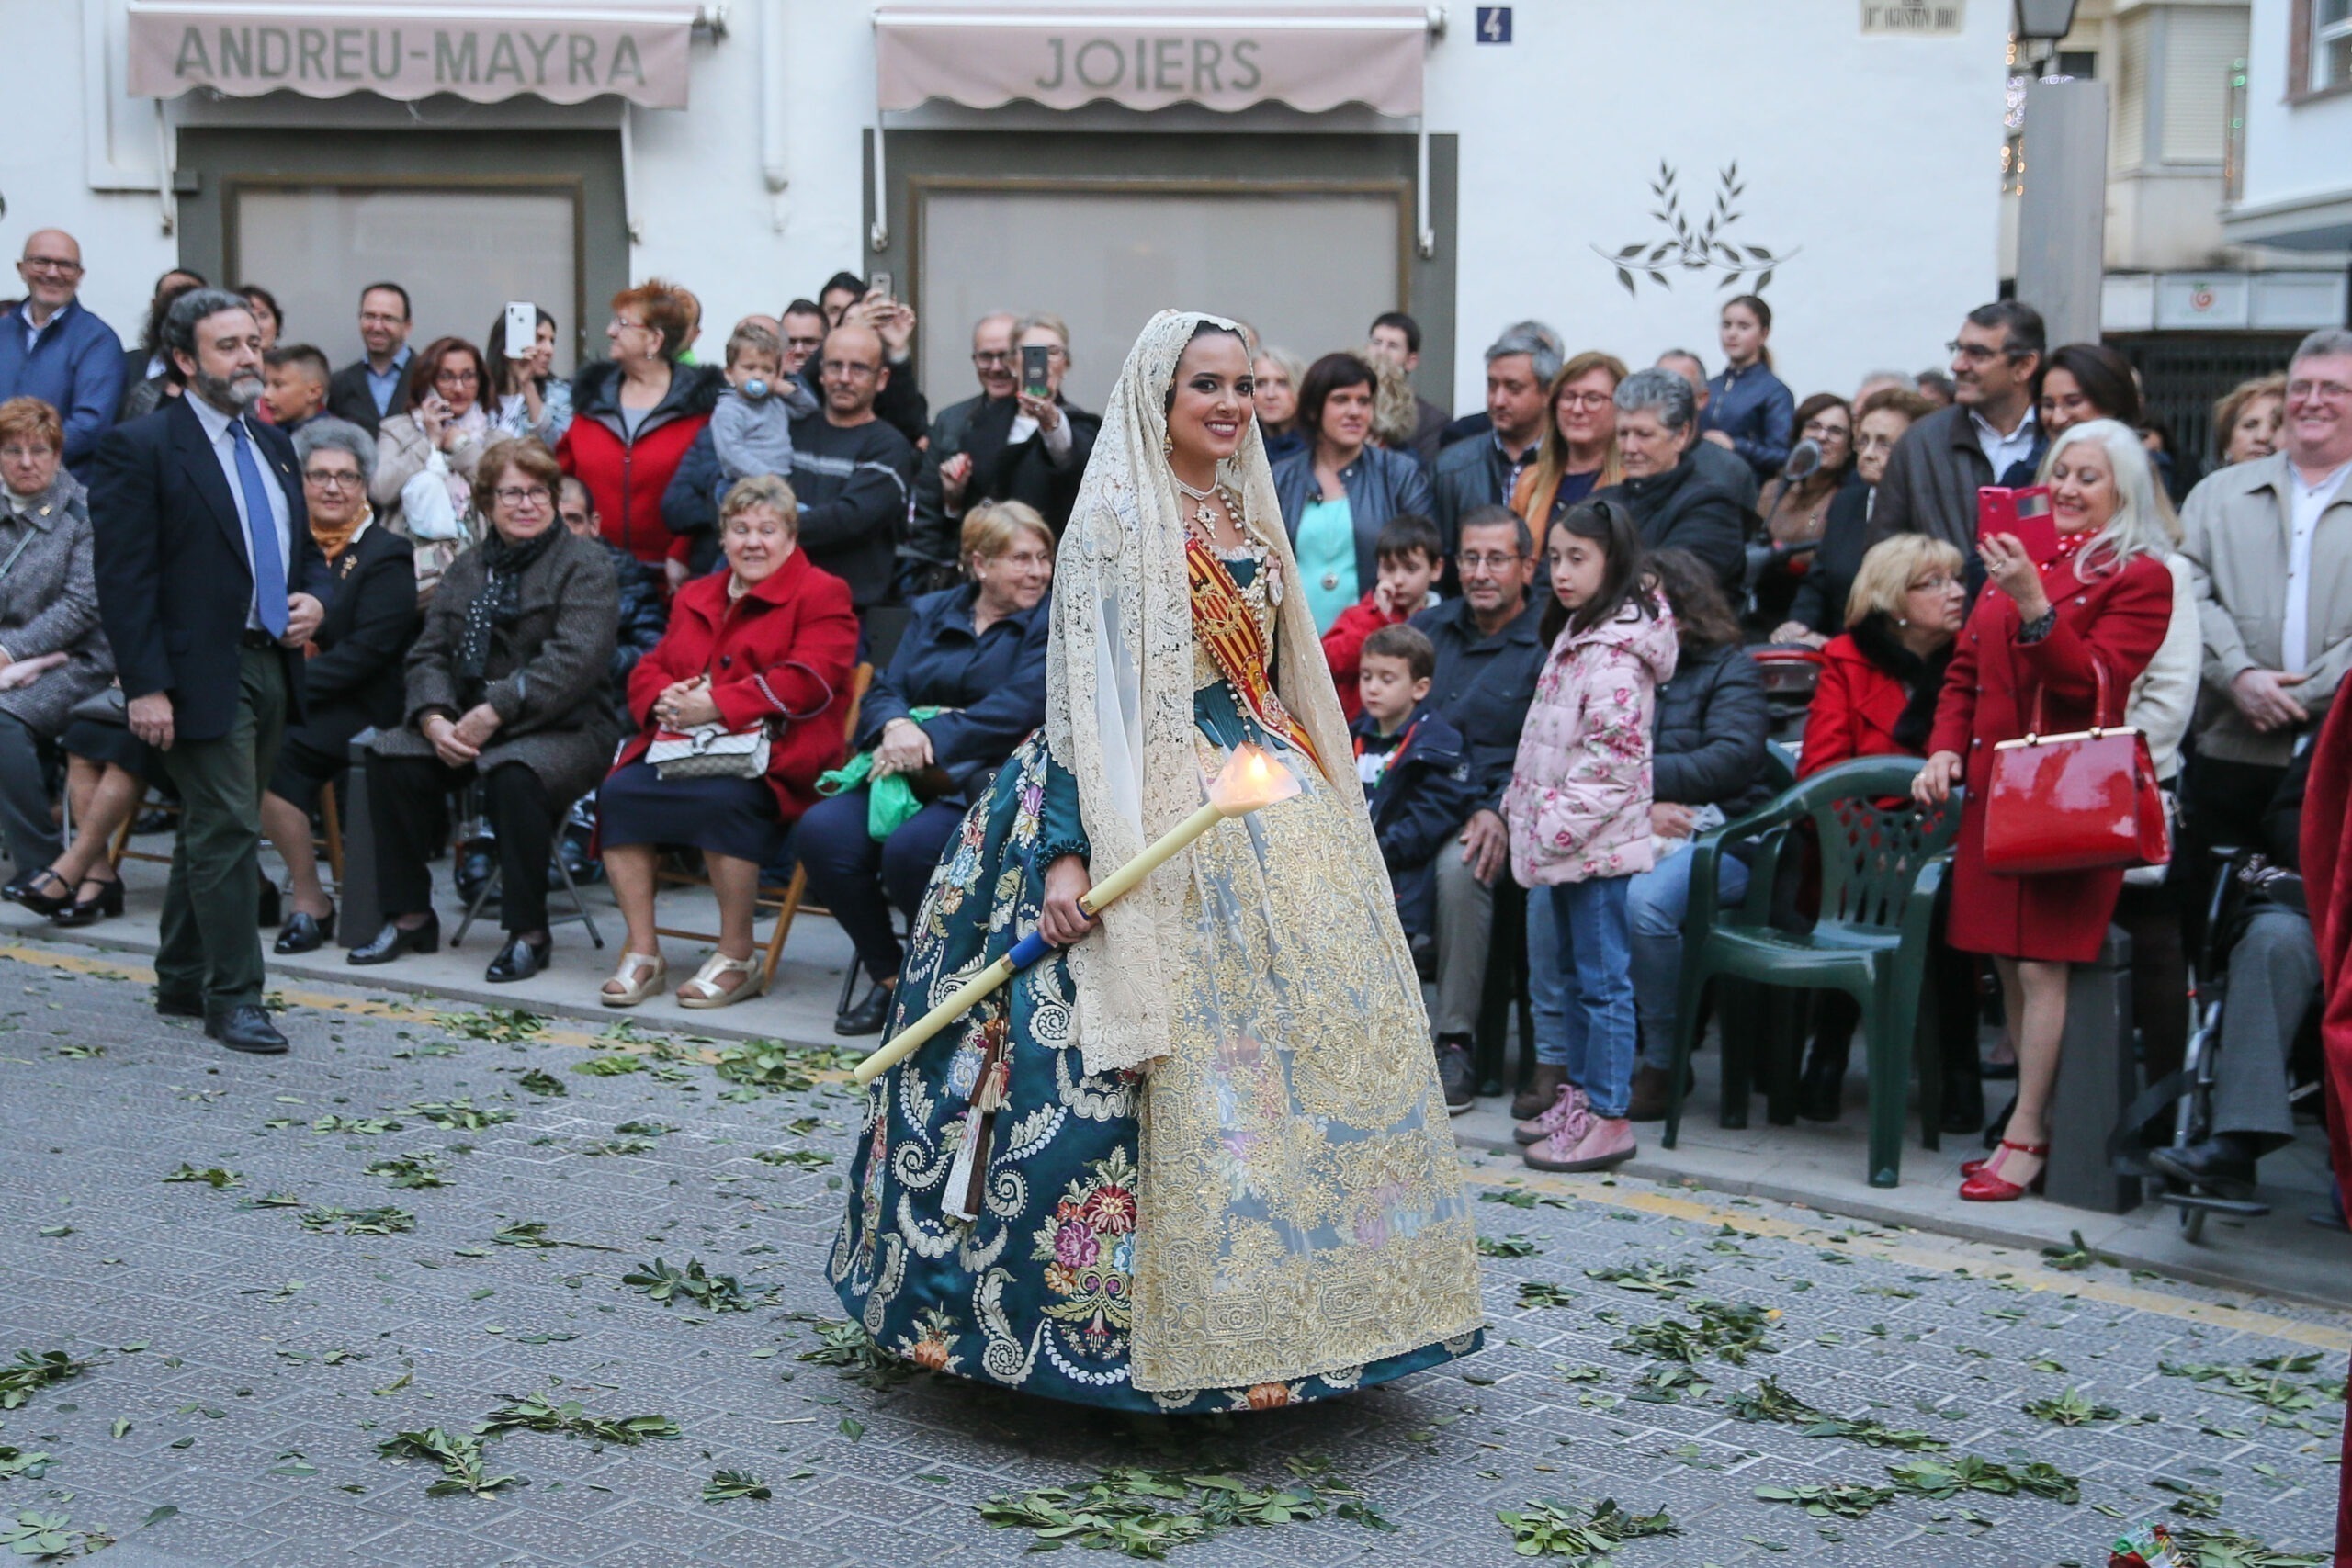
1167	444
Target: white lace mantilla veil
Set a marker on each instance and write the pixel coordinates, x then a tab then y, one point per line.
1119	687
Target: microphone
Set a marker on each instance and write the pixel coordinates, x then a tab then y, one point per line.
1804	461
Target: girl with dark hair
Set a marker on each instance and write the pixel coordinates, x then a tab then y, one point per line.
525	395
1750	410
1579	811
1340	489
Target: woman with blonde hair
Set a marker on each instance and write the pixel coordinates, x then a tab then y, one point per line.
1579	453
2046	639
964	686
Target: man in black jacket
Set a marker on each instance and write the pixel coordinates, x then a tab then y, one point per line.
1482	471
851	470
373	388
1988	437
1488	654
1675	505
949	456
209	585
1008	446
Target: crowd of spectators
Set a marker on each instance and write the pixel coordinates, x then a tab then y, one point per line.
1540	616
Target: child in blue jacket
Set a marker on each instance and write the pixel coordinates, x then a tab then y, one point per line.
1416	774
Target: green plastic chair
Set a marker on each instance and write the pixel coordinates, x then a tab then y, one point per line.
1882	862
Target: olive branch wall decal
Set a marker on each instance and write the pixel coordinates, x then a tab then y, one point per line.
1701	246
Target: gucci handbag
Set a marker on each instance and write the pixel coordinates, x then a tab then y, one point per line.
2088	801
710	751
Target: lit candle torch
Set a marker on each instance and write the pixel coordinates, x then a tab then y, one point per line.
1249	781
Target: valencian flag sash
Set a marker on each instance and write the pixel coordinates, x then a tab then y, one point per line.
1224	626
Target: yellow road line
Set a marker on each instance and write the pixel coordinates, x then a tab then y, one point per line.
2027	1275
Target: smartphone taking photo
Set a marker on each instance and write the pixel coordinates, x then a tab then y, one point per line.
1035	362
522	329
2024	513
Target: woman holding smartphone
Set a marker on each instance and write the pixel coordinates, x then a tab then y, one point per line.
526	397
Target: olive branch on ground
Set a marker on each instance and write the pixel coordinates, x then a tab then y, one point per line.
1694	247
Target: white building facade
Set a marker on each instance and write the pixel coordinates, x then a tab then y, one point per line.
1614	169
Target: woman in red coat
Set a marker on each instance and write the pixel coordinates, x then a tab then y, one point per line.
1880	681
2103	605
633	418
770	642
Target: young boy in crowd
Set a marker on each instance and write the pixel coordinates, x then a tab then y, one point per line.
750	430
294	385
1410	560
1415	770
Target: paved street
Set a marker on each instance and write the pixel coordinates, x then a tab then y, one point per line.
257	1330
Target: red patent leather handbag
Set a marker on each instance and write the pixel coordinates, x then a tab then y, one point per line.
2086	801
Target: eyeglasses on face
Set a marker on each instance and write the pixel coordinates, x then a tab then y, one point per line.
988	358
1497	561
57	265
464	377
1980	354
1942	584
26	454
2332	391
1822	429
1586	400
332	479
520	496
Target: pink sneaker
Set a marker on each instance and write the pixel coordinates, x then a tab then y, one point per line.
1570	1102
1595	1145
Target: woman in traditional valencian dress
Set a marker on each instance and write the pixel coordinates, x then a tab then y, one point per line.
1197	1161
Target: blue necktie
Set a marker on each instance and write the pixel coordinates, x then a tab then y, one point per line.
270	566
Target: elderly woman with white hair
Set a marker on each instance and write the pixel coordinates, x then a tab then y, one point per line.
352	679
2051	636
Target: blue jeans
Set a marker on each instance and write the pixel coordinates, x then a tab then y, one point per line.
1592	972
1660	897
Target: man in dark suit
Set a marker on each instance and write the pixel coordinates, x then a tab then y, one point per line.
372	389
209	585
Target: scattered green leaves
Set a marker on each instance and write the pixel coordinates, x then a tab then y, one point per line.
1767	1401
1836	1501
531	1412
533	1233
807	1159
1544	1293
714	1293
848	1347
1518	1244
1728	1330
609	1067
540	1081
505	1025
421	1169
461	1114
364	1127
460	1454
1585	1537
1970	1473
727	1484
1654	1278
38	1537
764	1065
2071	1408
2074	1258
16	1461
211	1175
2230	1548
360	1221
2190	1502
29	1374
2264	1381
1148	1512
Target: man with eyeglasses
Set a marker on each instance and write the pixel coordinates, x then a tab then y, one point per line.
52	349
1488	654
851	472
209	581
373	388
1989	435
962	434
2276	602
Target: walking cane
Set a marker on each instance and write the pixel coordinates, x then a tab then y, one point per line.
1248	781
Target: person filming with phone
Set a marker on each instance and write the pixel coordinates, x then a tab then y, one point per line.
2078	602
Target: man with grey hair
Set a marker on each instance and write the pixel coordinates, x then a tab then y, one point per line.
1720	464
1483	469
209	585
1674	505
2276	604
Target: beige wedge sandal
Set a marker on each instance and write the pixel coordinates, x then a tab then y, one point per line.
705	991
639	975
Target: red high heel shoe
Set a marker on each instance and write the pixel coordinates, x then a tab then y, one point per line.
1986	1185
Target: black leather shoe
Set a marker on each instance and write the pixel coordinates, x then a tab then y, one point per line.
868	1016
31	896
90	911
1454	1076
391	941
519	960
305	932
16	885
178	1006
246	1028
2223	1165
474	867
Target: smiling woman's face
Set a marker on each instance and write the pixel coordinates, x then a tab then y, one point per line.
1211	406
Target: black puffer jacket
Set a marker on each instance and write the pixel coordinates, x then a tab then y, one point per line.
1685	509
1707	740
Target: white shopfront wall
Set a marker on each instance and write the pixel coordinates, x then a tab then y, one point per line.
1615	167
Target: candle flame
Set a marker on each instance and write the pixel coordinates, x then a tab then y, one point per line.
1249	780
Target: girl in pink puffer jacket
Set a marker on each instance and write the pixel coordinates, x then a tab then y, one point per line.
1579	811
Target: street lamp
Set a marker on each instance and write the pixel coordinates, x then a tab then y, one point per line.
2043	22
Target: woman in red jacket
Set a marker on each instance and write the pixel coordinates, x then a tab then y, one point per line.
769	642
1880	681
2046	631
633	417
